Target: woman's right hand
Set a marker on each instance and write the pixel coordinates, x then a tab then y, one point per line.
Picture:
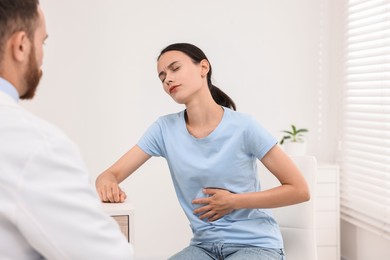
107	184
108	189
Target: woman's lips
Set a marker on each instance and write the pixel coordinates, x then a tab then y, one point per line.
172	89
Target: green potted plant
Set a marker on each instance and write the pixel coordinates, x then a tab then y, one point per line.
293	140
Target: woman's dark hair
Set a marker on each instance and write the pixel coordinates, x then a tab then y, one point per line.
197	55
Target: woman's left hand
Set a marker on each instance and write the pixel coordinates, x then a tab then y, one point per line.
218	204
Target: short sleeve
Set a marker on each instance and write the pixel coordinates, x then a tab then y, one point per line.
258	140
152	141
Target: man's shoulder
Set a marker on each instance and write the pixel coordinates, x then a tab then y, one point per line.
24	125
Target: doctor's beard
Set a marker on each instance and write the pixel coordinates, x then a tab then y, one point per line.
32	76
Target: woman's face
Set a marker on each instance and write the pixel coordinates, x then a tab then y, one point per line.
181	77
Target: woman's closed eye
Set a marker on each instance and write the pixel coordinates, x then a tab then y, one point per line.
173	69
162	76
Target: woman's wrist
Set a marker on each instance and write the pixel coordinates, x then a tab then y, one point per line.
236	201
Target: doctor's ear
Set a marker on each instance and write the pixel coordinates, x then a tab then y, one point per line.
20	46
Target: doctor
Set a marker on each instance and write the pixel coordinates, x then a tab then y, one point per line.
48	208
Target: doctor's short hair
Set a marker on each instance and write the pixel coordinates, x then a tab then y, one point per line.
15	16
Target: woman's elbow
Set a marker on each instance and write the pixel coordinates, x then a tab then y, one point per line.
304	194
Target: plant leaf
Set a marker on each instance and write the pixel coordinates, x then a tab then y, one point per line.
294	128
303	130
284	138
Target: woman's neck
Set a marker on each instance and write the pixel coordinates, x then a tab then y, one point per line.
201	120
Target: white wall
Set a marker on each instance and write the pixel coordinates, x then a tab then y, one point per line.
100	83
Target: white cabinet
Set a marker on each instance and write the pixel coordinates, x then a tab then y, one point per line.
328	212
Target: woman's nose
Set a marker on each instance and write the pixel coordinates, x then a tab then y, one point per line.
169	78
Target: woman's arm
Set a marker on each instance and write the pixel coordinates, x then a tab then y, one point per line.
293	190
107	183
293	187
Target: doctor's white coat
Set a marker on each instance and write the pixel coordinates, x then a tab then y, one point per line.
48	208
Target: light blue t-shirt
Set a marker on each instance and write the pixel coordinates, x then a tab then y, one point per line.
225	159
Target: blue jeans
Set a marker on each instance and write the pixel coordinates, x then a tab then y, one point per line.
221	251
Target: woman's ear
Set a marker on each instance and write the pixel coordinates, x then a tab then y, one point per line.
205	67
20	46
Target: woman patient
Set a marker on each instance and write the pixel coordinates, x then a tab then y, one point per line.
212	151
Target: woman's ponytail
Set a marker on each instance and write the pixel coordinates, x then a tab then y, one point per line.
221	98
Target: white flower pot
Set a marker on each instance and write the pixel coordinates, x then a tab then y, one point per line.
295	148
